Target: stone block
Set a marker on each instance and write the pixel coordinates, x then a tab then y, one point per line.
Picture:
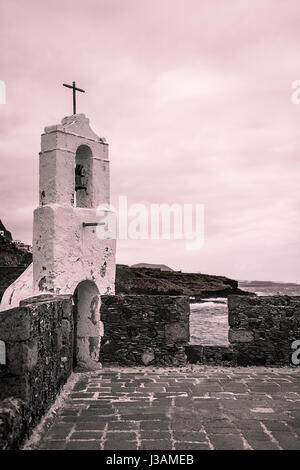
15	324
21	357
176	332
67	307
194	353
240	336
148	357
15	386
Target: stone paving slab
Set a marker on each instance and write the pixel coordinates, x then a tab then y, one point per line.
179	409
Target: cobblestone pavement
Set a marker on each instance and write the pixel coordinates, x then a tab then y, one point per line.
179	409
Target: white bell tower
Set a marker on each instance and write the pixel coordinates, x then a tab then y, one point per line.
69	257
74	181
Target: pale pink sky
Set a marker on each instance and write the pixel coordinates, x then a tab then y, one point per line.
194	98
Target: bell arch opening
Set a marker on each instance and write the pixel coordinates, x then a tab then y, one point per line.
87	325
84	177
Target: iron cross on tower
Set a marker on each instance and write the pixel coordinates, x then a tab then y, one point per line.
74	94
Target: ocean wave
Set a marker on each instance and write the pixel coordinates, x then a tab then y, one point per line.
208	305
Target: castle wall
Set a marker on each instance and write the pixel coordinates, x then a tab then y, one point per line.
38	340
262	329
144	330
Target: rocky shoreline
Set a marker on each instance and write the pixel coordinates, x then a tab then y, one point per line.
196	286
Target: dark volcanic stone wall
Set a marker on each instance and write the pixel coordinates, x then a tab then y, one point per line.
144	329
39	354
262	329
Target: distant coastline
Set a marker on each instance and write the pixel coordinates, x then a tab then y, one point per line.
270	287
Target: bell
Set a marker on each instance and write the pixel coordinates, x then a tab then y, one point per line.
79	178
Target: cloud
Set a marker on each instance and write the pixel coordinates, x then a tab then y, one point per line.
194	99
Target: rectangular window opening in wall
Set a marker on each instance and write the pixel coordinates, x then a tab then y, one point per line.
209	322
2	353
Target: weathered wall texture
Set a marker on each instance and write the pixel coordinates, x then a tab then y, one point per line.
144	329
13	424
262	330
39	359
211	355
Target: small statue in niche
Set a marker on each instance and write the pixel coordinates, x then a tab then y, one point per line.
79	177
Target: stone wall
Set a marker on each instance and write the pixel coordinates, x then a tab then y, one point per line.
144	330
38	340
262	330
211	355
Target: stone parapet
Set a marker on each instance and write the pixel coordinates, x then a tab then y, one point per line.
37	359
144	329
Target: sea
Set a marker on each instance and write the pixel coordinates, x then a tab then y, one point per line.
209	318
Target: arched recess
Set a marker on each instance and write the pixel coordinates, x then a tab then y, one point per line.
84	177
87	325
